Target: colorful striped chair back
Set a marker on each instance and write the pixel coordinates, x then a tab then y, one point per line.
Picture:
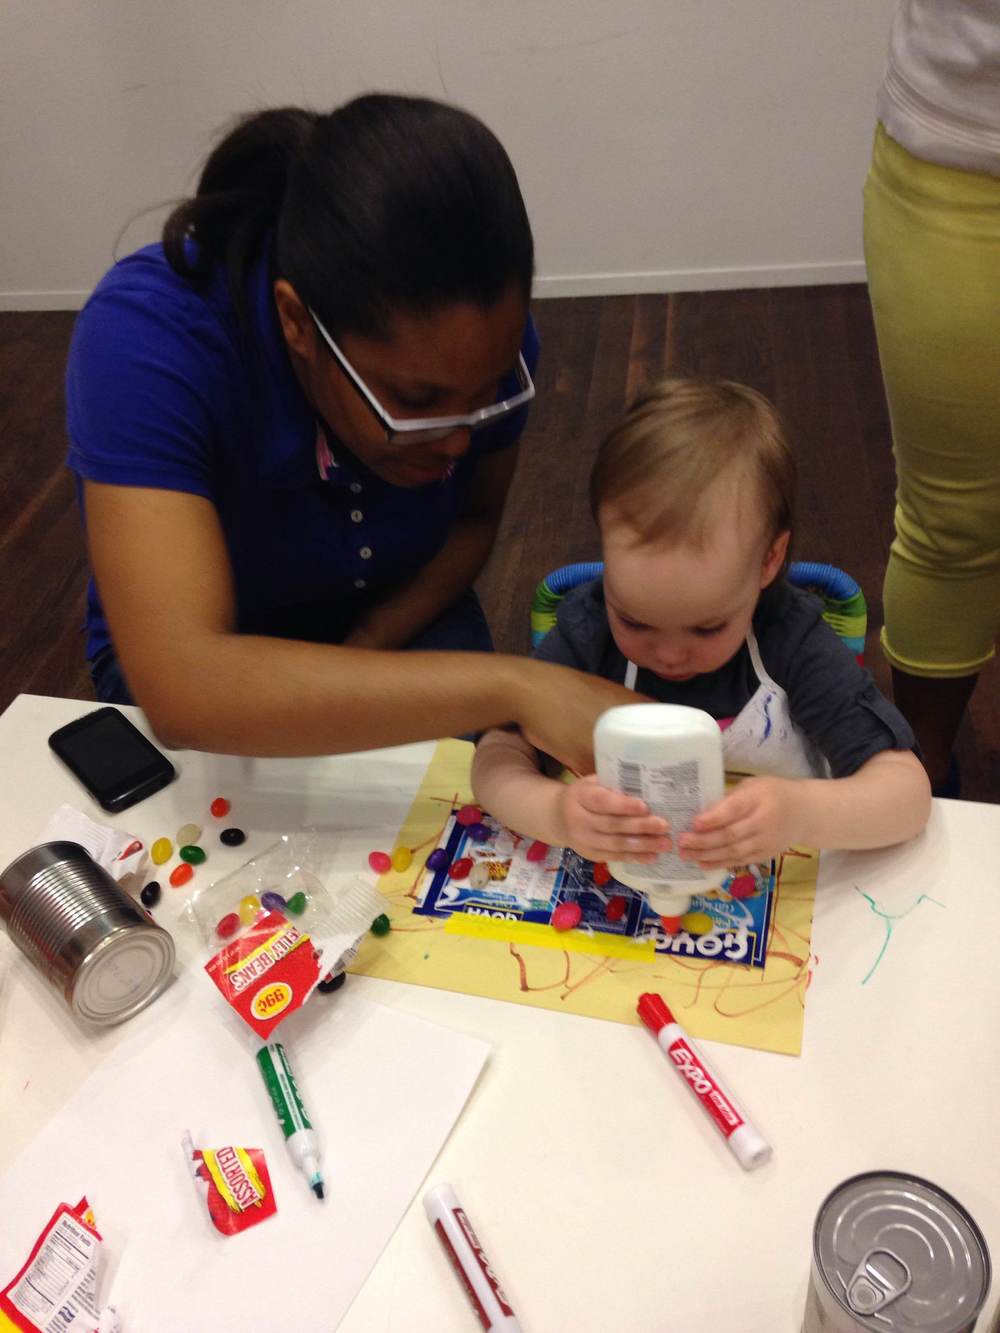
844	605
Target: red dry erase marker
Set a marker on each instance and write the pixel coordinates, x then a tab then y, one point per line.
461	1244
749	1148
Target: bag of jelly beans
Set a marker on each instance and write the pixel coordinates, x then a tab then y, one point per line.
281	923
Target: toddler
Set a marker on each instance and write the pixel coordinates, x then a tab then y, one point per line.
693	495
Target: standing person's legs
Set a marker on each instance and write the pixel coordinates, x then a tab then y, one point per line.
932	244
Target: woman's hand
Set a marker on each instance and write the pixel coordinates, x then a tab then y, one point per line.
760	819
558	706
605	825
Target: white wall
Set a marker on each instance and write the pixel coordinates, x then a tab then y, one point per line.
661	144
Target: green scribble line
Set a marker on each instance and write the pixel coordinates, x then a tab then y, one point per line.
890	922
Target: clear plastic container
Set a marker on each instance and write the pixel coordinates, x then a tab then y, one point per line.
671	757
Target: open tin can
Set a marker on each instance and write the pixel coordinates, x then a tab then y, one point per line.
83	932
892	1252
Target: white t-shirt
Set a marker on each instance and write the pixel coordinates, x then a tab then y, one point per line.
940	97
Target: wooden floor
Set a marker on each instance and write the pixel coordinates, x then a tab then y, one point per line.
812	350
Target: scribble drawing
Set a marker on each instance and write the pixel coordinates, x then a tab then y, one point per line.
890	922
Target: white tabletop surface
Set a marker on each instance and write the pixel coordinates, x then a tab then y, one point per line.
603	1197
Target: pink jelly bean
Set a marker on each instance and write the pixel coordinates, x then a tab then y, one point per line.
566	916
743	886
380	862
469	814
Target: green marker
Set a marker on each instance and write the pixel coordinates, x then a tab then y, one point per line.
301	1138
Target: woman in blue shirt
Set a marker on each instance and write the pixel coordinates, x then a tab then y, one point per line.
294	425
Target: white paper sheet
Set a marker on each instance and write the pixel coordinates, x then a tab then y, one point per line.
383	1090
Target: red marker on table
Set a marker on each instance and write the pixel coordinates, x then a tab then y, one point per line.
461	1244
749	1148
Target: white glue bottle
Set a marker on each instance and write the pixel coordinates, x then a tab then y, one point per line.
670	757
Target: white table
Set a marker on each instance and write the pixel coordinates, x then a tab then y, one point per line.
604	1198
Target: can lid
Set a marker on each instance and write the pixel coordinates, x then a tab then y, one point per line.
901	1254
123	974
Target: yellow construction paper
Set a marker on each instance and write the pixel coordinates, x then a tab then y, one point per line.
599	943
718	1001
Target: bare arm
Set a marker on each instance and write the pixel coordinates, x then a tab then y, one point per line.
887	801
395	621
163	570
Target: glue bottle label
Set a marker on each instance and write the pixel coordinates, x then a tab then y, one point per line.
672	791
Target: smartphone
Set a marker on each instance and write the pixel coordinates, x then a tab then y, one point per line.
112	758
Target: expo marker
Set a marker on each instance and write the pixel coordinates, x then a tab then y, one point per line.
454	1230
749	1148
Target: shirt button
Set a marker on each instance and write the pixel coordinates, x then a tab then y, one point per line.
361	583
356	516
365	553
356	487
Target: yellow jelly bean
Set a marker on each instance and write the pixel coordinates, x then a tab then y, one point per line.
249	909
161	850
401	859
697	923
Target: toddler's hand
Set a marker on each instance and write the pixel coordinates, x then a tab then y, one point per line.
605	825
758	820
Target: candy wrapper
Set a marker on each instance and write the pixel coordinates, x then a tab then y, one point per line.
119	853
280	924
234	1183
56	1290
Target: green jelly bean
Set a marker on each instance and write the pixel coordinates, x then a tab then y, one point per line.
297	904
193	854
381	925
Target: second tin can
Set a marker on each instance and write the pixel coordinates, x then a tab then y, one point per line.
895	1253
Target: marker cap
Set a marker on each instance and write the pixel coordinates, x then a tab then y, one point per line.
654	1012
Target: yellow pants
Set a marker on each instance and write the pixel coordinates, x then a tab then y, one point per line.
932	246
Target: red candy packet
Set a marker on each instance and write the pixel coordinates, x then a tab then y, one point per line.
58	1281
234	1183
267	973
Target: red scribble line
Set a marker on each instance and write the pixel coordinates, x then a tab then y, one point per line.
523	972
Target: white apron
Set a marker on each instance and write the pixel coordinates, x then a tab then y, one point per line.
762	739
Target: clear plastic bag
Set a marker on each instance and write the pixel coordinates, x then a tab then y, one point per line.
280	924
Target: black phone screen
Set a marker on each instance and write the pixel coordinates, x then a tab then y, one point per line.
112	758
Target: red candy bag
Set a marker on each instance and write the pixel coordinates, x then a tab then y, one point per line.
234	1183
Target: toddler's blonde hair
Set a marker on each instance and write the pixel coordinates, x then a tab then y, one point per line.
660	470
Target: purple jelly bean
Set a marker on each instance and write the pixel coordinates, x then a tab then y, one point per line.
273	902
438	859
478	832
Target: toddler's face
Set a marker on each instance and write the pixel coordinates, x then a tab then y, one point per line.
682	610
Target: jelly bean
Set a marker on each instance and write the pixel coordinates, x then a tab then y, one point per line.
297	903
381	925
478	832
438	859
401	859
566	916
670	924
461	867
602	875
220	806
743	886
181	874
187	833
249	909
479	875
380	862
194	855
469	814
229	925
331	983
150	895
697	923
615	909
538	851
161	850
273	901
232	837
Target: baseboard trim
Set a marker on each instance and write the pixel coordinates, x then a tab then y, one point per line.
585	284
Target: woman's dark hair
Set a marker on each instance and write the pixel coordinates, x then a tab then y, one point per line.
387	203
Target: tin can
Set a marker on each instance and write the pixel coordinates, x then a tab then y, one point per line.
893	1252
84	933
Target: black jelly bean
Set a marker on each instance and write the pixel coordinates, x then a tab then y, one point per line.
232	837
329	984
150	895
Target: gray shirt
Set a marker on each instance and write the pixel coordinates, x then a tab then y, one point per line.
832	699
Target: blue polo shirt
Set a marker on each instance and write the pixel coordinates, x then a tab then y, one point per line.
164	390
